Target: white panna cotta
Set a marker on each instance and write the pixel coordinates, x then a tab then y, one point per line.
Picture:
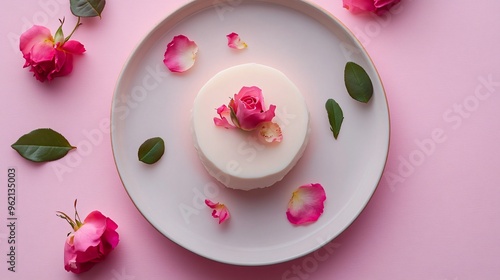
237	158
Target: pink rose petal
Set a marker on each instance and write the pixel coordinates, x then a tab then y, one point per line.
306	204
42	52
234	41
219	210
270	132
73	47
180	54
35	35
359	6
225	117
64	64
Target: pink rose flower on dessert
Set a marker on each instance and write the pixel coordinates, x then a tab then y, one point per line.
90	242
374	6
48	57
248	112
180	54
306	204
220	210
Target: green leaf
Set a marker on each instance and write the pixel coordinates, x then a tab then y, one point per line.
151	150
42	145
335	116
358	83
87	8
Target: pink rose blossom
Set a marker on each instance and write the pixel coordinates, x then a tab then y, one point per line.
374	6
90	242
48	57
246	109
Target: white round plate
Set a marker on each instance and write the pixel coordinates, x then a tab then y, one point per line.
308	45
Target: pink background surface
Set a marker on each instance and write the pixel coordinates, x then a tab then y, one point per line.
435	214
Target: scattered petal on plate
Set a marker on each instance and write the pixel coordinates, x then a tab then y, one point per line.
306	204
180	54
270	132
219	210
234	41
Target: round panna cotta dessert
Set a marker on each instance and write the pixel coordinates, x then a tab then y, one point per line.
238	158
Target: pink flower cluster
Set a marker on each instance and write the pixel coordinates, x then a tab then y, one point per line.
248	112
47	56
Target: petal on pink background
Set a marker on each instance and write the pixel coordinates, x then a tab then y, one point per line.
270	132
60	58
89	234
111	237
306	204
385	3
43	51
359	6
234	41
35	35
64	64
180	54
220	210
73	47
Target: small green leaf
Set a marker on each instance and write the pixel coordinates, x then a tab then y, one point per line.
87	8
42	145
151	150
358	83
335	116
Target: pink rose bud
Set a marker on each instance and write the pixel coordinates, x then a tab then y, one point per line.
90	242
246	110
